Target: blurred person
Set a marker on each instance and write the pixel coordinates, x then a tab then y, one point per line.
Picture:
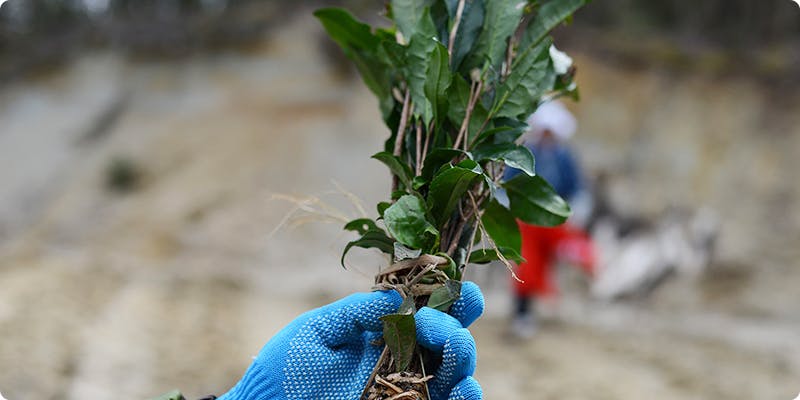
549	130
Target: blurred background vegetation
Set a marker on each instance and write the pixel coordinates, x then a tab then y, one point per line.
143	142
722	35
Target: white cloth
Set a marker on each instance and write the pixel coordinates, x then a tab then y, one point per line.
552	116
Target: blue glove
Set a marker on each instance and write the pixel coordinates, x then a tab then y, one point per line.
328	353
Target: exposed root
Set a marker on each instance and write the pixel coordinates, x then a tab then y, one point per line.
397	386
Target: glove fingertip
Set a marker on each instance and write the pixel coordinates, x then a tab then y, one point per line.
470	305
467	389
434	327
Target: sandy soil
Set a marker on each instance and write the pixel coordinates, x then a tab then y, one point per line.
180	282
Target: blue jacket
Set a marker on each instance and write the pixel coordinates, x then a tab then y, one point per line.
557	165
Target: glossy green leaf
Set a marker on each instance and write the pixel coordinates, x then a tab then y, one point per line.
500	22
459	99
371	239
510	133
534	201
402	252
408	306
400	334
397	166
472	19
548	16
442	298
382	206
418	182
438	158
407	14
451	269
448	186
361	225
418	60
360	45
520	93
513	155
457	110
406	220
484	256
438	80
501	226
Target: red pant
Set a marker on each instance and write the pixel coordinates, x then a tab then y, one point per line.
541	248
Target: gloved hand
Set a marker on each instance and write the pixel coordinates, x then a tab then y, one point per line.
327	353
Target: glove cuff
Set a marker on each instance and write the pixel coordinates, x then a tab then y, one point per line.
254	385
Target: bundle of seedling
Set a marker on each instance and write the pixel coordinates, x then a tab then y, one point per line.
455	81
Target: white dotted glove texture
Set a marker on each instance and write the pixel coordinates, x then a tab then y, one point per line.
328	353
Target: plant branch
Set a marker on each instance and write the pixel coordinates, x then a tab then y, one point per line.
401	132
428	135
419	148
456	23
458	231
474	95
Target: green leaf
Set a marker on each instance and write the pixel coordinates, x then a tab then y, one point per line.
371	239
407	14
408	306
397	166
418	182
501	20
451	270
401	252
472	22
361	46
501	226
394	53
508	133
173	395
439	157
485	256
361	225
438	80
345	30
548	17
534	201
519	95
419	59
459	99
448	186
442	298
513	155
406	220
382	206
457	110
400	334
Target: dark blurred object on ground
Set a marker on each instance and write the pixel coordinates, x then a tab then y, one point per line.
637	253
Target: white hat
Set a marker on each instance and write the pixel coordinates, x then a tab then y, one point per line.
554	117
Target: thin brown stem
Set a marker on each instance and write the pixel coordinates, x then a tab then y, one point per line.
474	231
458	231
483	125
401	129
401	132
428	135
419	148
509	57
474	95
459	13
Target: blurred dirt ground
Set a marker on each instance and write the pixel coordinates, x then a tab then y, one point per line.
178	283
